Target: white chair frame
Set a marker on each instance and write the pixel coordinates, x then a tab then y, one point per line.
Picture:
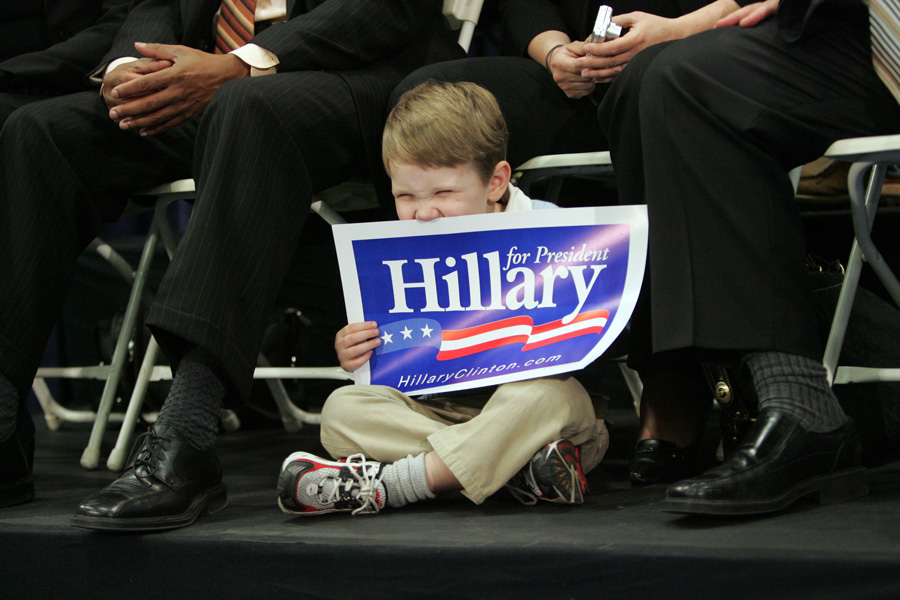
871	157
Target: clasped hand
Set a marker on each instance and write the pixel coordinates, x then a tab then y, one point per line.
167	87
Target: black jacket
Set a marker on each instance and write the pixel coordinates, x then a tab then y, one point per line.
49	47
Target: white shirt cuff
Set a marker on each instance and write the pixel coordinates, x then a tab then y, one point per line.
97	76
261	61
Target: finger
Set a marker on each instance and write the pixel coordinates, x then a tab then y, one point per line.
361	337
150	114
585	86
173	122
733	18
603	75
153	120
608	79
592	61
573	81
351	365
575	48
143	105
145	66
755	17
611	47
157	50
141	86
576	94
358	337
608	67
595	63
364	347
363	326
360	326
574	86
112	103
626	20
116	77
354	353
566	64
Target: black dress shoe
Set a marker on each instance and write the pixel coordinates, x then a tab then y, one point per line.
659	461
168	484
778	463
16	460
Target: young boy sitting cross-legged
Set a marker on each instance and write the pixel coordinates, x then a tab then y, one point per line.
444	148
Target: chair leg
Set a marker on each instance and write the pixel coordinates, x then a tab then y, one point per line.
90	458
863	216
635	385
863	204
119	454
292	417
54	413
842	312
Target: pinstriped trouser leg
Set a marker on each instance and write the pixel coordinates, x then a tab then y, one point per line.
65	170
265	145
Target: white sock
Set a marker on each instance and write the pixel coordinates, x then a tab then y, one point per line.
405	481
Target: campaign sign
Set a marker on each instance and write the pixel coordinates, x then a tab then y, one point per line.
470	301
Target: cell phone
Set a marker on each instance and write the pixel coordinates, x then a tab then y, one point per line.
604	28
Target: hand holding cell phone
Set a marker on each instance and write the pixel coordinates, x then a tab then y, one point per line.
604	28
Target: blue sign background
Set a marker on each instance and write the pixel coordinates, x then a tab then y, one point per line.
414	365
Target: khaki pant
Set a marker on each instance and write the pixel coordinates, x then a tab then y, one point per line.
483	447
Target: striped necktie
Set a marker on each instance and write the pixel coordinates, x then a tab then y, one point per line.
234	26
884	21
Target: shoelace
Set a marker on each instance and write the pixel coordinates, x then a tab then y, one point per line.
522	496
143	455
365	478
572	471
519	486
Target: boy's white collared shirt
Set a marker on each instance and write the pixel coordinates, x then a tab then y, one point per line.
519	201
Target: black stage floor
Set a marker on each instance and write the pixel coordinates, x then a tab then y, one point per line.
620	544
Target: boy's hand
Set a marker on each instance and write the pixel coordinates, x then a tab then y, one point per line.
354	344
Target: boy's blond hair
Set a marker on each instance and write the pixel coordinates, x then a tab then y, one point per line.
442	124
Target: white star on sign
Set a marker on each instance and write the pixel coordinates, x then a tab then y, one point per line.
386	338
407	333
426	331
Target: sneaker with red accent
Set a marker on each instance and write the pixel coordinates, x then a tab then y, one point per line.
553	474
310	485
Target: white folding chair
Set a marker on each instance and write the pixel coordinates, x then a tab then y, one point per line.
871	157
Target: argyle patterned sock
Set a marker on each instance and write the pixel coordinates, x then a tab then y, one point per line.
796	385
195	399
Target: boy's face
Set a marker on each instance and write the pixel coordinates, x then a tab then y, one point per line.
426	193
